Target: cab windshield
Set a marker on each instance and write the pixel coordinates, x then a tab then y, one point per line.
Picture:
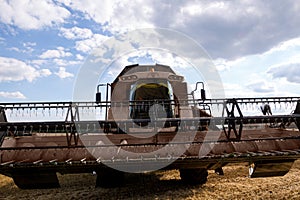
146	93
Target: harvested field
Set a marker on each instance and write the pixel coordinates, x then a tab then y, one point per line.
235	184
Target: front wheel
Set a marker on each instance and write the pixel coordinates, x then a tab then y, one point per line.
109	178
194	176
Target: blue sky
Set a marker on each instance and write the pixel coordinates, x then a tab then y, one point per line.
254	45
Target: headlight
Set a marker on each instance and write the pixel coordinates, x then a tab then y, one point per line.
175	78
128	78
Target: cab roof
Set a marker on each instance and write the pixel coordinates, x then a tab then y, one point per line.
130	69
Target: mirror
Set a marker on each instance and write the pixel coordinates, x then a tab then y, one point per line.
98	97
203	95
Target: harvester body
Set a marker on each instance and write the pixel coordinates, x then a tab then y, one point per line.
150	122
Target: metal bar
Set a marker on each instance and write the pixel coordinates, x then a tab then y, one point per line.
37	162
7	163
255	100
233	157
70	159
141	145
62	126
38	105
54	161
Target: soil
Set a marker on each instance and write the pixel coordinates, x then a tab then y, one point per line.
235	184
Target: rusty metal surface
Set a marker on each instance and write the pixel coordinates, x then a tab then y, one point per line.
41	151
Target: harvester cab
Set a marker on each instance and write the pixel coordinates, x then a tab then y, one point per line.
152	93
147	92
151	122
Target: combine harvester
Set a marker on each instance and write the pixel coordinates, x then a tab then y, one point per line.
150	122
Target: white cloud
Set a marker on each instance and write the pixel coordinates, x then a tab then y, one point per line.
61	62
222	64
100	11
76	33
29	44
116	16
86	40
27	48
38	62
79	57
12	95
55	53
27	14
62	73
264	89
89	44
261	87
288	71
243	37
45	72
15	49
227	29
204	8
284	46
273	73
152	56
15	70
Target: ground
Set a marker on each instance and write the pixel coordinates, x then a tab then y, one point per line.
235	184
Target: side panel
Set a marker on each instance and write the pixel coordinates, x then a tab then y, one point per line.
2	115
119	102
297	111
180	90
2	119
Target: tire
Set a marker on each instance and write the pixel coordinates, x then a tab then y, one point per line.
109	178
28	179
193	176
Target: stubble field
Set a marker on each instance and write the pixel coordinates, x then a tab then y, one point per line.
235	184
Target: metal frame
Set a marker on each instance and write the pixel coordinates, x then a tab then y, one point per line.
232	119
73	126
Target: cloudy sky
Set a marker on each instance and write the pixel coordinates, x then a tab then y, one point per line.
254	44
